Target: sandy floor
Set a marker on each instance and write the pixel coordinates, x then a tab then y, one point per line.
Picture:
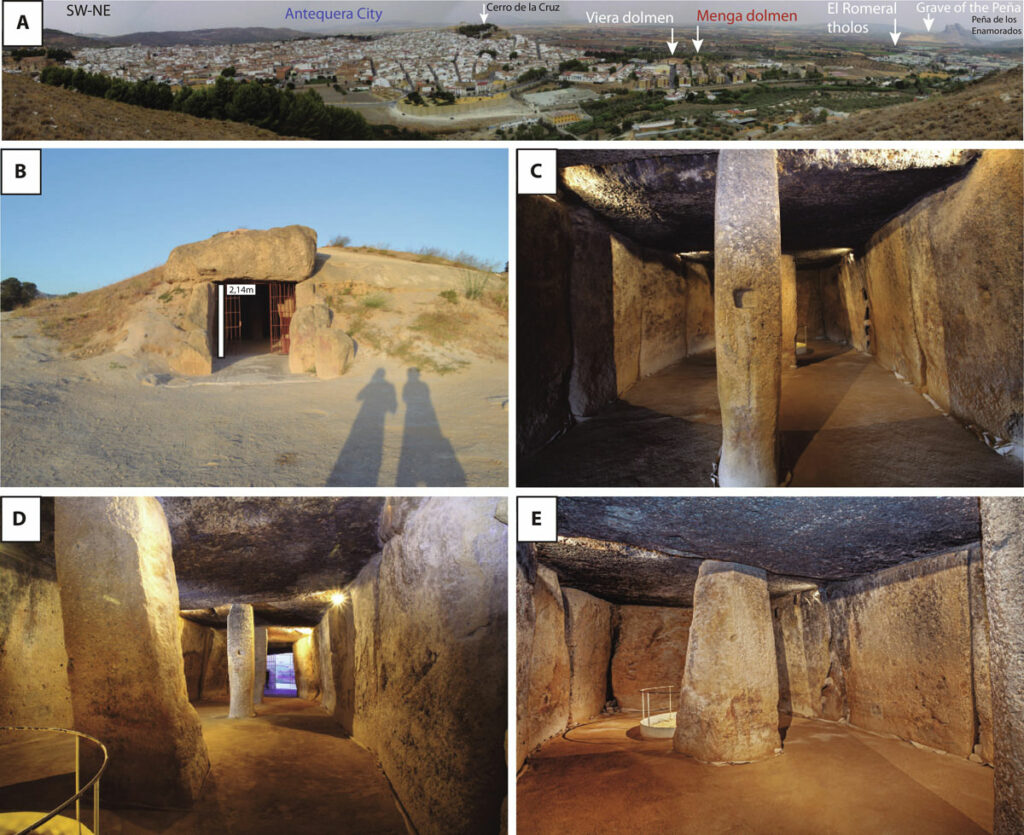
93	422
831	778
846	422
290	769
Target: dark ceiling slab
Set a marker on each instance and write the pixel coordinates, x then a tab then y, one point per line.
626	574
232	550
828	198
814	538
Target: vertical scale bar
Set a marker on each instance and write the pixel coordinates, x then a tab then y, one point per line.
78	800
96	808
220	321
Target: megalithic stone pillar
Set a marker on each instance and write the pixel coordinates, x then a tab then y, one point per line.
259	678
241	660
788	298
119	601
1002	546
748	320
728	705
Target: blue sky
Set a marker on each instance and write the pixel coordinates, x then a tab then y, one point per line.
105	215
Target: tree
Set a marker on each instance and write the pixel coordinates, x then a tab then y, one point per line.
14	293
228	72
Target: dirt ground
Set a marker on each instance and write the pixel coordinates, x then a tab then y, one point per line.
290	763
845	421
604	777
106	421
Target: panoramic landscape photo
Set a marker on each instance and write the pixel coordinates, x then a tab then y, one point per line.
257	317
472	71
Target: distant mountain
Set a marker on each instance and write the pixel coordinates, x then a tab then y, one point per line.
196	37
954	35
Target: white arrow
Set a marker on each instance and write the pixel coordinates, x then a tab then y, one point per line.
928	21
697	42
483	13
894	34
672	42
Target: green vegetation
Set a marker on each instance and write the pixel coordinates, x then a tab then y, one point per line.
573	65
478	30
256	103
536	74
340	240
474	284
15	293
449	296
54	54
378	301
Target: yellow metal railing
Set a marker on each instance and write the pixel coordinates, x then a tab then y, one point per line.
80	790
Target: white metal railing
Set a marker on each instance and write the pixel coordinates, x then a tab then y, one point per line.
80	790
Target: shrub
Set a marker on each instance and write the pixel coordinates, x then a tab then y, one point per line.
449	296
474	284
340	240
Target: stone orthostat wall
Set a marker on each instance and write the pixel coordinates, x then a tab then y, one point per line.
33	662
427	638
944	281
650	650
588	631
196	642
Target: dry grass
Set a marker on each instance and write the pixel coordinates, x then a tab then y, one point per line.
86	324
37	111
418	257
991	109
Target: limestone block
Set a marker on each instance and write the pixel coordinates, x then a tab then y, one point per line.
588	624
34	687
259	678
1002	543
215	673
904	640
700	311
664	297
284	253
195	648
728	704
526	619
592	380
305	293
545	354
628	271
306	324
980	656
334	352
441	655
241	660
650	650
336	639
547	711
807	684
788	307
748	318
119	601
363	595
306	658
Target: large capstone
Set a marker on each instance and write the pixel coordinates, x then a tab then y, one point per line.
119	601
241	660
748	323
728	705
1002	525
285	253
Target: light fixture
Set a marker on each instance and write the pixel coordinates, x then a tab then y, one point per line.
337	598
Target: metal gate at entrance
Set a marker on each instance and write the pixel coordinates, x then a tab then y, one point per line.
282	308
268	312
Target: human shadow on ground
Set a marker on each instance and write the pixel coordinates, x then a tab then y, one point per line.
359	461
427	458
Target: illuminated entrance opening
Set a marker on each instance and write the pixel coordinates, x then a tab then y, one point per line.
281	675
